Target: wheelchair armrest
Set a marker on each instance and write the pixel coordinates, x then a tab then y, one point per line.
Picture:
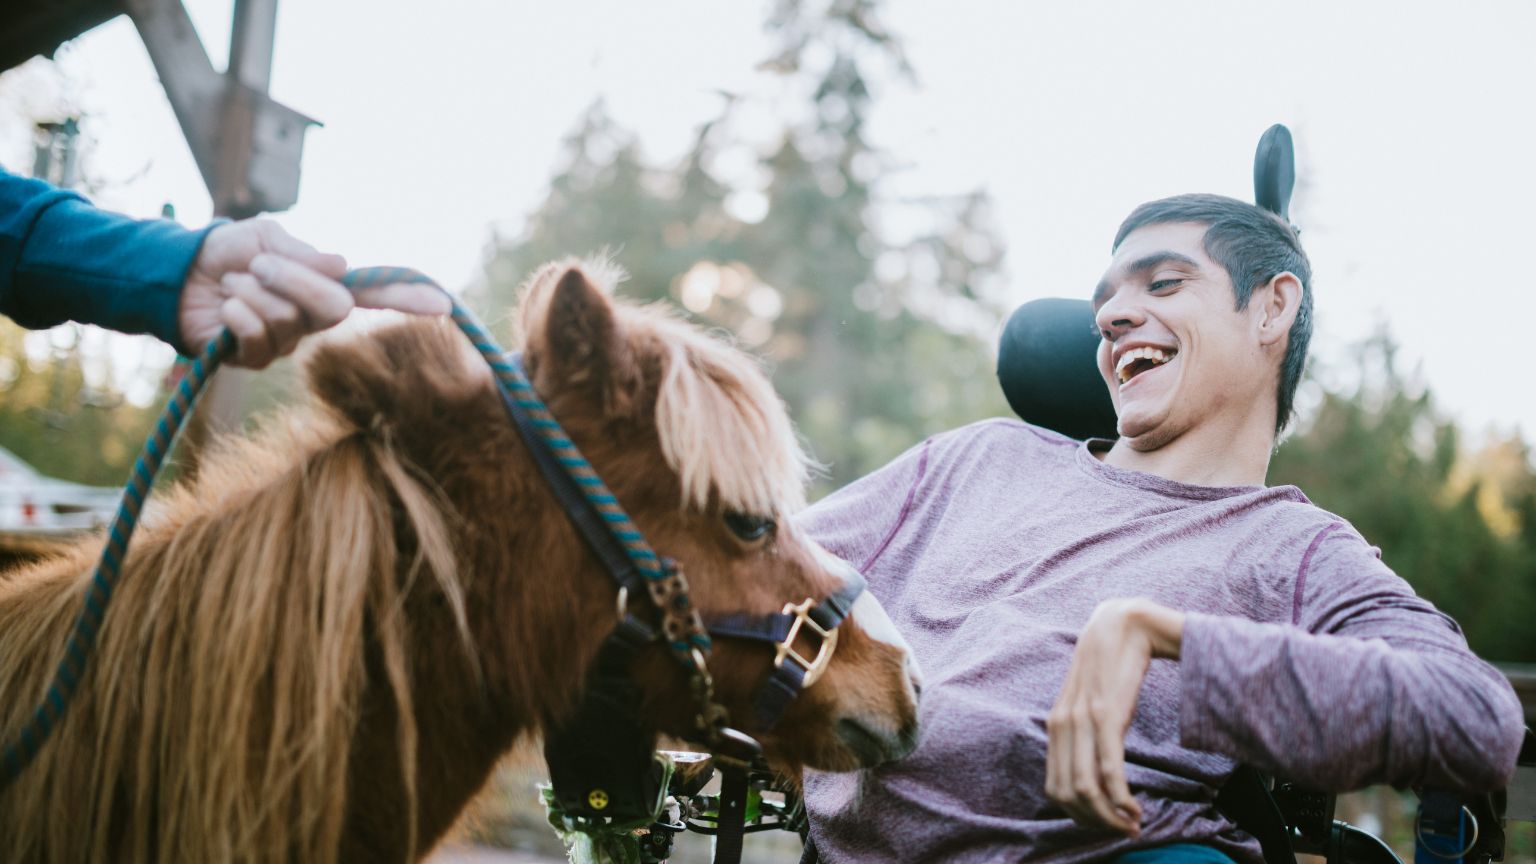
1247	800
1288	819
1520	797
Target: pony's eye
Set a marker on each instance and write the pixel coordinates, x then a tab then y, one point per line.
749	527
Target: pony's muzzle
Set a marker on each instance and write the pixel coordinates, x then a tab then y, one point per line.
878	717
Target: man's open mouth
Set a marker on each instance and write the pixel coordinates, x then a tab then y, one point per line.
1138	360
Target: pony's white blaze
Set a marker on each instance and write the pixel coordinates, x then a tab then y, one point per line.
869	615
871	618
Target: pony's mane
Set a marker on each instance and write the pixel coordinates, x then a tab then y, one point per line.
225	688
227	684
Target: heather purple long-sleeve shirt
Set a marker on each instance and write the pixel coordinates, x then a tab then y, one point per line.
1303	654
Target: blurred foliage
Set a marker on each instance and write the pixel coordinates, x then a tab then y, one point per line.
874	340
54	421
1459	525
877	340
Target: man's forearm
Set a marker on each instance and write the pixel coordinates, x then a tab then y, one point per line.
1340	712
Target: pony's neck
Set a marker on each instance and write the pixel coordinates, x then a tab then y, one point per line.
533	624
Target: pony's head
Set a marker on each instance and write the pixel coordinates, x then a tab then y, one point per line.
698	448
689	435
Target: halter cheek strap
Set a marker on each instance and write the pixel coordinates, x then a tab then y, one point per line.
588	521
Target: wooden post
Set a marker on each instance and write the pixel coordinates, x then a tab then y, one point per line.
246	146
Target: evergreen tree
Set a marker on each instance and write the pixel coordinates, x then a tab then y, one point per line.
1382	457
873	341
51	418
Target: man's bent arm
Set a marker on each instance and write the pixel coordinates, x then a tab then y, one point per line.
62	259
1373	686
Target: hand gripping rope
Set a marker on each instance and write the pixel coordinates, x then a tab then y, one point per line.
514	385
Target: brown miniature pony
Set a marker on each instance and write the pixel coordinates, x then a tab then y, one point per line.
323	643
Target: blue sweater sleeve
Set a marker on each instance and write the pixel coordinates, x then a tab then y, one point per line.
62	259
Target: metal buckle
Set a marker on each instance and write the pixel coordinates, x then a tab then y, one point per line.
816	666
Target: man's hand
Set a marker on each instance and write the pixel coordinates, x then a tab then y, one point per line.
270	289
1085	763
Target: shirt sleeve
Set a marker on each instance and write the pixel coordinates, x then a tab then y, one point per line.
857	522
1371	685
62	259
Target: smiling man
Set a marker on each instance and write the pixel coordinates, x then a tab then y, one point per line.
1108	628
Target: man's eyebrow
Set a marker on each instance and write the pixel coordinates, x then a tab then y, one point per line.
1141	266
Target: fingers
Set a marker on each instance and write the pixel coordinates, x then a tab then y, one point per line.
284	322
275	239
271	289
1073	773
1058	754
322	300
255	344
1087	785
1085	756
276	303
1110	751
414	298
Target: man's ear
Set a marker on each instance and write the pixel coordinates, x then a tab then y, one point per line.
575	337
1278	303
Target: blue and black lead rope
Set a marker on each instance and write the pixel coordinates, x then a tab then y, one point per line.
98	592
71	669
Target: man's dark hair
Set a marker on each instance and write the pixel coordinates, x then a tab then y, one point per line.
1255	246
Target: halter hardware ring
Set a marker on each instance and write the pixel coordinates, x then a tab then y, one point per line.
701	669
815	667
1418	833
623	602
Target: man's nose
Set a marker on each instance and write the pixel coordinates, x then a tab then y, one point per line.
1117	315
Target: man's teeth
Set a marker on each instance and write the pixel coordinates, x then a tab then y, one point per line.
1156	356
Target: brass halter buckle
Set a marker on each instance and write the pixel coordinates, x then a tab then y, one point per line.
786	649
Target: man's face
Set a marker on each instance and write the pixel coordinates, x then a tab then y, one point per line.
1174	351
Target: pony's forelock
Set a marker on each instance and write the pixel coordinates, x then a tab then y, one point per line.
722	427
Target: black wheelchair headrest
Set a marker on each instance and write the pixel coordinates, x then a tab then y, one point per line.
1048	367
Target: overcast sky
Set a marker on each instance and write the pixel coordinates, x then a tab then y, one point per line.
1415	122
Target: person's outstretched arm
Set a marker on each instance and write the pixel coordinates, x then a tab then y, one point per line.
63	259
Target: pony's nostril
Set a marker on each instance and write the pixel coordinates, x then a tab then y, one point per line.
870	749
907	740
873	746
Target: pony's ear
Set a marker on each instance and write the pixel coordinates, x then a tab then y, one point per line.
575	337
